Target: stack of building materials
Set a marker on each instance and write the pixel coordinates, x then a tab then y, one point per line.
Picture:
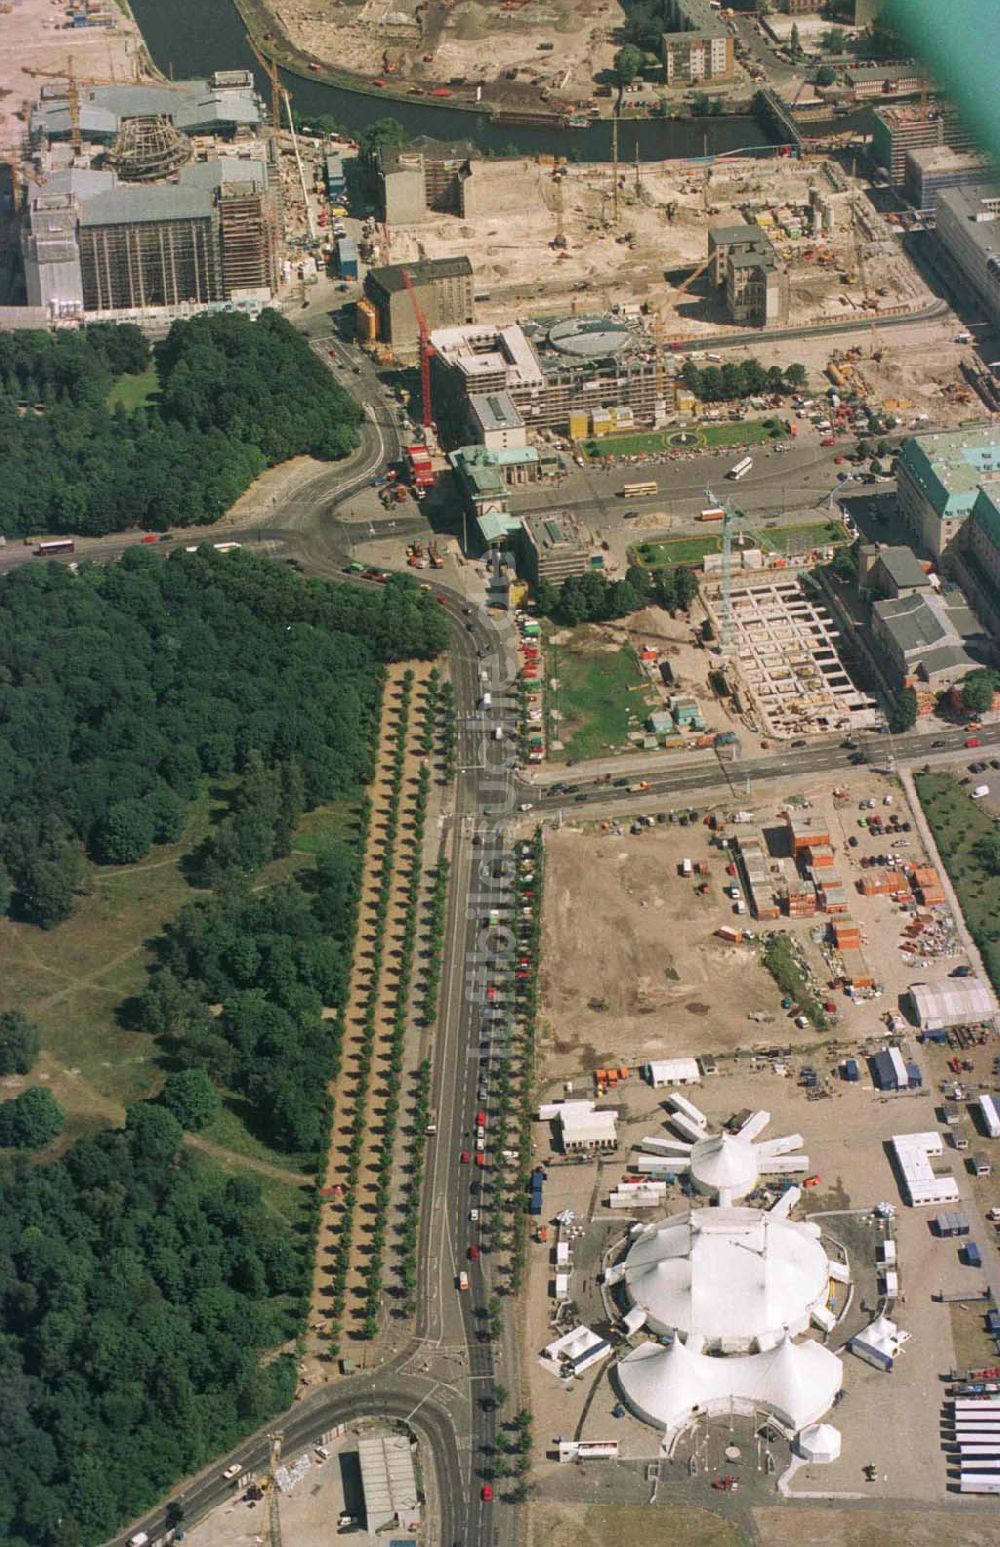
819	856
758	882
846	934
927	885
806	832
857	973
831	892
801	898
884	881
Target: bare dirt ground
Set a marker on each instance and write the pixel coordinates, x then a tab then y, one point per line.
595	1525
631	969
509	242
440	43
788	1527
36	38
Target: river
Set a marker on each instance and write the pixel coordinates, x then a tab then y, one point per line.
191	38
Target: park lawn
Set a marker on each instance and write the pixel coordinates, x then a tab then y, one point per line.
598	687
958	822
336	822
73	980
691	550
750	432
134	391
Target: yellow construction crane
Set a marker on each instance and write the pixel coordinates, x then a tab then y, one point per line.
269	65
73	97
271	1489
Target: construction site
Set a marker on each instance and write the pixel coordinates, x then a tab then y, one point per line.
548	50
553	236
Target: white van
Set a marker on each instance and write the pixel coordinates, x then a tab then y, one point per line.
980	791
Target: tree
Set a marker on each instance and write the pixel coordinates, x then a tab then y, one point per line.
795	375
126	833
833	40
628	63
978	689
546	597
31	1120
794	41
685	587
383	134
825	75
20	1041
904	711
192	1098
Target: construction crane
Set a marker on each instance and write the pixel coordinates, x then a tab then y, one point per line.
269	65
273	1514
732	518
423	333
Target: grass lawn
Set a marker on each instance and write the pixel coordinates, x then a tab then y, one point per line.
782	539
958	823
598	687
593	1525
72	980
750	432
134	391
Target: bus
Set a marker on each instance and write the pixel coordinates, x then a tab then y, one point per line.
57	545
712	513
226	547
638	491
741	469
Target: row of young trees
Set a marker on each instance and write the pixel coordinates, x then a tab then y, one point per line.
235	397
389	825
741	378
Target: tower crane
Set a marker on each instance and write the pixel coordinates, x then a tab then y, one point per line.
273	1515
426	351
269	65
732	518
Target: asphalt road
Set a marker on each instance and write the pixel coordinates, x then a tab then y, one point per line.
436	1382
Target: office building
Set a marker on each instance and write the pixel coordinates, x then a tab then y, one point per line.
442	290
696	44
975	557
744	261
968	229
561	377
930	640
891	572
552	548
938	479
901	129
930	169
885	80
495	421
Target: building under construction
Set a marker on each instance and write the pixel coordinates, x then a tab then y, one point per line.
440	290
581	375
148	225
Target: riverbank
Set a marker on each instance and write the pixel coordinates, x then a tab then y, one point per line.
191	38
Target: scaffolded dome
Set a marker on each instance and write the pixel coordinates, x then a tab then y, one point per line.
726	1164
147	149
734	1278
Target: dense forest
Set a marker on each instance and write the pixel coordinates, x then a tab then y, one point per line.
122	688
139	1288
235	397
143	1293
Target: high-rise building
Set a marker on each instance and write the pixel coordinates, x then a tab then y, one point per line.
696	43
900	129
442	289
930	169
939	477
967	222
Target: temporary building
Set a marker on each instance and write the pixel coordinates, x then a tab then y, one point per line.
953	1002
920	1184
673	1071
673	1387
819	1442
879	1343
736	1278
725	1164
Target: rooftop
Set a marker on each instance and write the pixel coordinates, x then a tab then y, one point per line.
495	410
390	278
696	16
950	465
925	624
978	205
903	568
943	158
191	105
723	235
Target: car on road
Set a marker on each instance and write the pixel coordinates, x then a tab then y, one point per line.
800	742
939	743
473	1253
473	1216
481	1120
973	741
232	1471
976	767
995	762
480	1158
856	758
465	1157
486	1493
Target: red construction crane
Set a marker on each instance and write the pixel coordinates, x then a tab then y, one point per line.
425	353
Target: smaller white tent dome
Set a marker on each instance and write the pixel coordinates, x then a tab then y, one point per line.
819	1442
725	1164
